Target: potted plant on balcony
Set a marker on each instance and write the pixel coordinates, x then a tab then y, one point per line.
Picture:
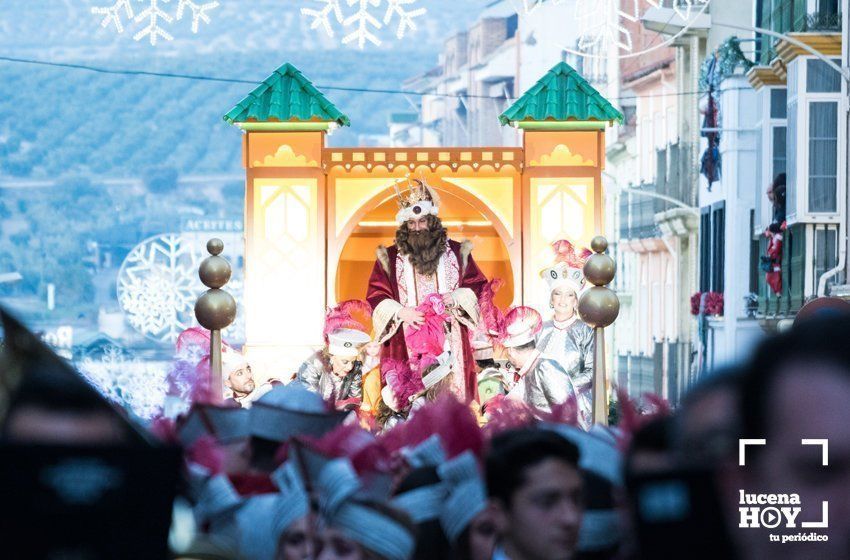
751	304
714	304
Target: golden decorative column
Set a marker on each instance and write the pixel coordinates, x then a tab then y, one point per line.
599	307
215	309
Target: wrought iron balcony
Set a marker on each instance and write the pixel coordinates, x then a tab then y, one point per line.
819	21
797	16
672	178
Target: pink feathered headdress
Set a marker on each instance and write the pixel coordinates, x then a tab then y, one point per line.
632	418
350	314
566	252
189	377
402	380
506	414
522	325
447	417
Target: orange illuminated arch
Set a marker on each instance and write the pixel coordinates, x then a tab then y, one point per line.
465	216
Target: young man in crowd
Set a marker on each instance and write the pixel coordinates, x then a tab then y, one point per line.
534	483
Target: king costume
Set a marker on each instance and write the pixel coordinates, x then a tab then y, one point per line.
395	284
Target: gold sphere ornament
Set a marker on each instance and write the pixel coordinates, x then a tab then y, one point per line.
214	271
599	269
599	307
215	309
599	244
215	246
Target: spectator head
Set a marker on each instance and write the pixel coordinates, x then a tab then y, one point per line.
338	542
706	426
48	402
776	190
797	387
534	483
297	541
650	448
431	541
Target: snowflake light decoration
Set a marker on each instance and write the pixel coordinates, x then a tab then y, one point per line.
601	24
199	12
139	387
112	14
158	286
155	15
602	21
359	21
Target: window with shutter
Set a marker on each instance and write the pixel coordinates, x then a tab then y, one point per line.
719	246
705	251
823	156
791	162
779	150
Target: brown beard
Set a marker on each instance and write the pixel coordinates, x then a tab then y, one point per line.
423	248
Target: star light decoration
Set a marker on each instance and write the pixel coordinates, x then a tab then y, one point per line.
601	20
158	286
359	21
154	15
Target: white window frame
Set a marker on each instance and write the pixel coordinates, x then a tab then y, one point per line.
804	98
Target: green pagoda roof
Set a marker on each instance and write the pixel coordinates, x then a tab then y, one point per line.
561	95
286	96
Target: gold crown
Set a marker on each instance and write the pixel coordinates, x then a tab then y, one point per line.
417	191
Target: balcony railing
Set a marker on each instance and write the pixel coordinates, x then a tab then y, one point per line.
819	21
806	250
793	16
637	211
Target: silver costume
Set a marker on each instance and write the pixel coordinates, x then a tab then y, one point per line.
318	377
572	346
543	384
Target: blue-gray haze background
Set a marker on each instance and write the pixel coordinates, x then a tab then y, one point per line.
93	163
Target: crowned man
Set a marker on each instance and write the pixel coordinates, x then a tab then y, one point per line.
424	261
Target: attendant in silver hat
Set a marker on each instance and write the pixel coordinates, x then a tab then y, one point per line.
335	372
566	338
542	383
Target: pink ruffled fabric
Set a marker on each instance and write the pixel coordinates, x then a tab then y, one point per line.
632	418
430	337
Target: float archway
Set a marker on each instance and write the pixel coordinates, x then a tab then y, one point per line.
465	216
314	214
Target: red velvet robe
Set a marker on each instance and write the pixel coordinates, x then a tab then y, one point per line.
383	286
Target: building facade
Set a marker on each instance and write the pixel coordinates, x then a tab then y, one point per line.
782	113
484	68
650	185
